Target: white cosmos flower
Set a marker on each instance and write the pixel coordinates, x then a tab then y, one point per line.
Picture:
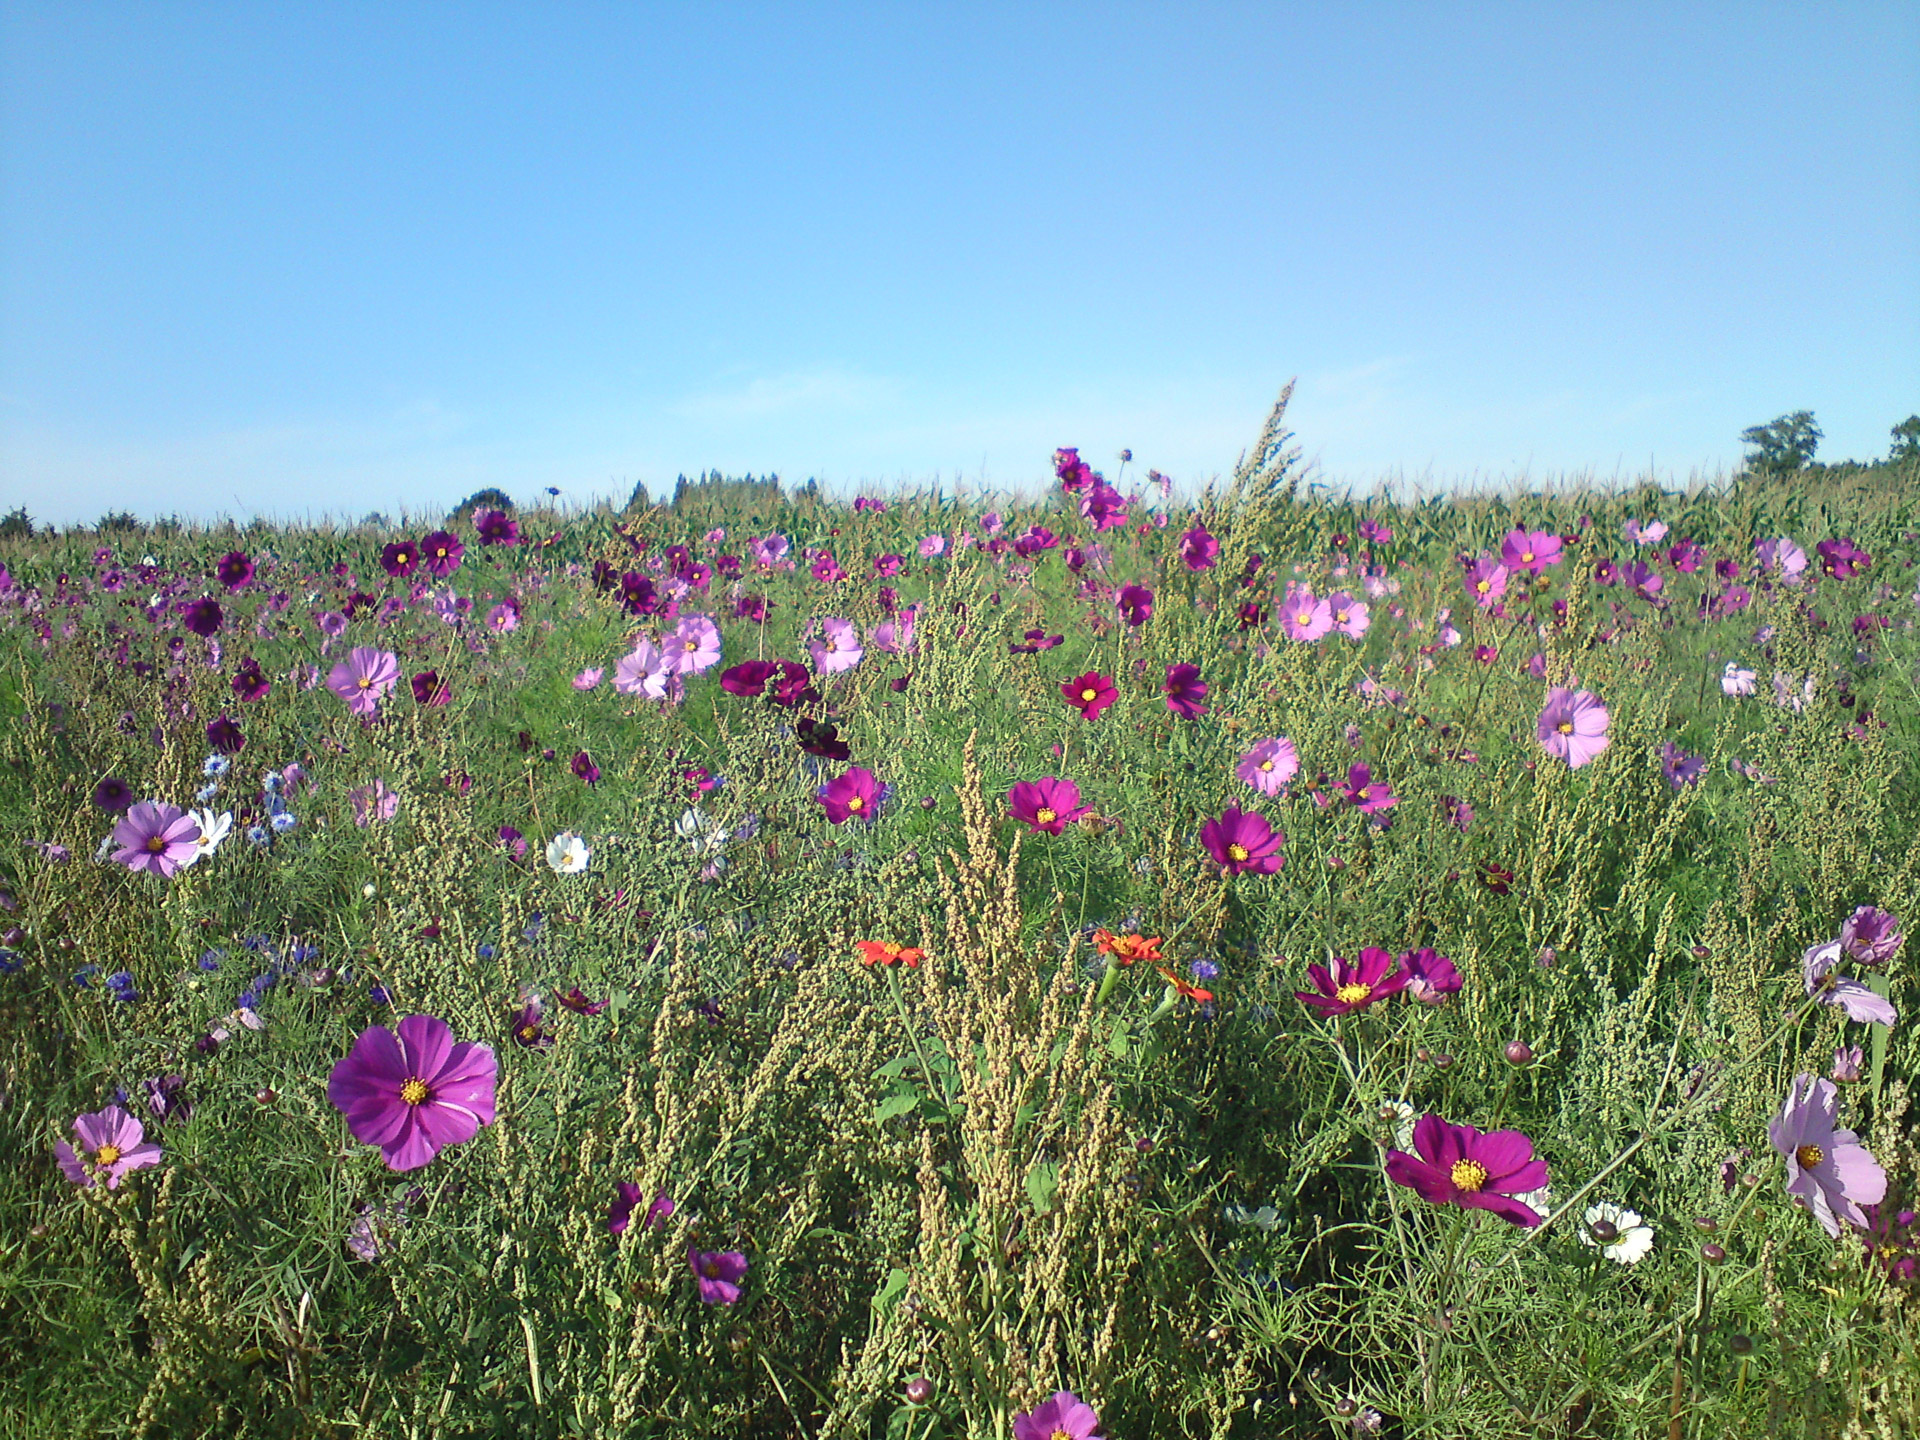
567	853
1264	1218
1399	1114
696	827
213	829
1633	1238
1539	1201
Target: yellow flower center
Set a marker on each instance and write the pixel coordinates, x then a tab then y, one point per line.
529	1033
365	682
1353	994
711	1268
1266	764
1483	586
1045	816
1305	617
856	803
1360	795
1469	1175
1236	852
414	1090
441	553
1809	1156
1086	695
1565	727
405	558
156	843
1526	557
108	1154
691	645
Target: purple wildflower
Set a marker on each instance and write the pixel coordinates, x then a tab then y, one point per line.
415	1092
1829	1172
112	1144
156	837
719	1273
1457	1165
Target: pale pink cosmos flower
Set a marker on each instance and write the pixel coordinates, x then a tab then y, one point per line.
1829	1172
1573	726
588	679
112	1143
364	678
1269	765
1303	618
373	802
1735	680
1650	533
839	648
157	838
932	546
895	636
1858	1000
647	672
1350	616
694	645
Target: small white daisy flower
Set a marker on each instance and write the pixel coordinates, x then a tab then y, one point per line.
1619	1233
567	853
213	829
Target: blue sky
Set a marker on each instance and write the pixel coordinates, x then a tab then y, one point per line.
290	260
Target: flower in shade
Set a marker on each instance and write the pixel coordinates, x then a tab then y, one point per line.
719	1273
888	953
855	795
1829	1172
1848	1061
749	678
626	1196
528	1027
234	569
584	767
1345	986
1049	804
567	853
113	795
1135	604
1573	726
1185	690
224	734
440	553
1303	618
1064	1416
201	616
1859	1001
1241	842
413	1090
1531	550
1457	1165
1619	1233
1269	765
576	1000
1680	768
1868	935
1431	976
430	689
112	1143
364	678
156	837
1091	693
373	802
1366	794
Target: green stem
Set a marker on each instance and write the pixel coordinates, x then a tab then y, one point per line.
913	1036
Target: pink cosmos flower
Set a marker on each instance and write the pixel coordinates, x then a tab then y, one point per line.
364	678
1199	549
1858	1000
1303	618
1065	1416
838	648
1243	842
415	1092
649	672
1366	794
1650	533
588	679
932	546
373	802
1048	805
1185	690
503	617
440	553
1530	550
1486	582
1091	693
620	1212
157	838
854	796
1347	986
1829	1172
719	1273
1349	615
895	636
1269	765
112	1143
1135	604
694	645
1457	1165
1431	976
1870	936
1573	727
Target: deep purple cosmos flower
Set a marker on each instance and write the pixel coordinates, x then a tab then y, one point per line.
249	683
157	838
1842	559
364	678
854	796
620	1212
1135	604
1431	976
1530	550
224	735
414	1093
202	616
1573	726
1243	842
1829	1172
748	678
719	1273
584	767
112	1143
1198	549
528	1028
1366	794
1048	805
496	527
441	553
1185	690
1347	986
1868	935
1680	768
1064	1416
234	569
1860	1002
429	689
400	559
113	795
1457	1165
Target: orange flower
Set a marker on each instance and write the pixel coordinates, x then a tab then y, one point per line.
1125	949
1192	992
888	952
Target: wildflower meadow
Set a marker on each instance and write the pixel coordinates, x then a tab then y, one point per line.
956	968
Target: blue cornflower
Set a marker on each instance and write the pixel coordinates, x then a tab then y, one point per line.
299	954
257	837
211	959
262	983
1204	970
120	985
486	951
215	765
8	964
271	782
206	793
248	1000
536	926
380	994
83	977
283	822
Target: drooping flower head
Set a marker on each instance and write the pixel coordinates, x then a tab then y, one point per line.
1064	1416
1091	693
854	796
112	1143
1345	986
1431	976
1870	936
1573	726
414	1092
1618	1233
1185	691
1243	842
1829	1172
156	837
1859	1001
1457	1165
1048	805
719	1273
1269	765
364	678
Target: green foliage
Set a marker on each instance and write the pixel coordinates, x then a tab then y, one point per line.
487	499
16	525
1906	440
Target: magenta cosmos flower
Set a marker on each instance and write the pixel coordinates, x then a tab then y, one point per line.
620	1212
1050	804
1243	842
1829	1171
1064	1416
1486	582
1348	986
440	553
1185	690
854	796
1135	604
1198	549
719	1273
414	1093
364	678
1269	765
1303	618
1092	693
1457	1165
156	837
111	1144
1531	550
1573	727
1366	794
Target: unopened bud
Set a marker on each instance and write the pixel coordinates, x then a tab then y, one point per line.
1519	1053
264	1096
1605	1231
1740	1344
919	1390
1705	1224
1713	1254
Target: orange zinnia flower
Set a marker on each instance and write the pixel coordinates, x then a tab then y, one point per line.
1126	949
1192	992
888	952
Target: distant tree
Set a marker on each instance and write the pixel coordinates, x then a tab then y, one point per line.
1782	446
118	522
1906	440
488	499
16	525
639	500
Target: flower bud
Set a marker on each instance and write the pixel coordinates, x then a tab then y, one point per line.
264	1097
1345	1407
919	1390
1740	1344
1519	1053
1442	1062
1705	1224
1605	1231
1713	1254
